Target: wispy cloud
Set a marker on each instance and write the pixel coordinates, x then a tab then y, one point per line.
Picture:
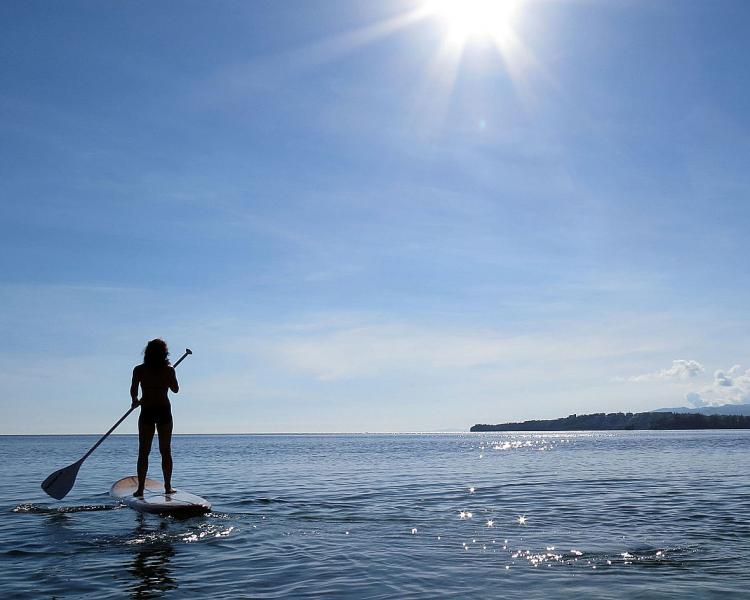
680	369
376	349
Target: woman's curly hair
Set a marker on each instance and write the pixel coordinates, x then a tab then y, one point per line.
156	354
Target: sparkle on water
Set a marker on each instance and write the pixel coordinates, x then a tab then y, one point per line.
551	494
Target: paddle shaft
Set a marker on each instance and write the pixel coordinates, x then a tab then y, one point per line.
125	416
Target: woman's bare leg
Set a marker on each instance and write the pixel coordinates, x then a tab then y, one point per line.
145	437
165	448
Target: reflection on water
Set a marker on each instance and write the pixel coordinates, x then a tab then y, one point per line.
151	565
57	522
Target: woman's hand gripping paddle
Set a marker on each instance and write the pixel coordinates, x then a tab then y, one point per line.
59	483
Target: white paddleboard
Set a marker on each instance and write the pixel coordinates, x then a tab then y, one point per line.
154	500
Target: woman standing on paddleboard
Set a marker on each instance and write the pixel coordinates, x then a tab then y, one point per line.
155	376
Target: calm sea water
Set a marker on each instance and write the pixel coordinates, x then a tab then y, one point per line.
507	515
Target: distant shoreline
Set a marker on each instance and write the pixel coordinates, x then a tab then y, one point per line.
648	421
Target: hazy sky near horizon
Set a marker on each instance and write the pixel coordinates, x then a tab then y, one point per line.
360	219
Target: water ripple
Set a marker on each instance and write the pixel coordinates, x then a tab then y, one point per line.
603	515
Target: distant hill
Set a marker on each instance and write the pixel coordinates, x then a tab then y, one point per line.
627	421
724	409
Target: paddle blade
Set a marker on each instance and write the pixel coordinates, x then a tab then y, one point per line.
59	483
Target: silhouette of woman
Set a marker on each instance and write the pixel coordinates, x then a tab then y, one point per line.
155	376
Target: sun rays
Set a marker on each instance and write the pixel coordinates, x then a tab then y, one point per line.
468	19
488	26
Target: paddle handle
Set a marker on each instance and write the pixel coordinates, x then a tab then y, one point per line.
188	351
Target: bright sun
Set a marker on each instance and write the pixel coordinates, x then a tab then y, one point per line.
475	18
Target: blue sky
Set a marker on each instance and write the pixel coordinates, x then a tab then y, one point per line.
359	224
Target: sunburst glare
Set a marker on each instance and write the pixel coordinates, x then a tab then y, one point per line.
487	24
475	18
493	24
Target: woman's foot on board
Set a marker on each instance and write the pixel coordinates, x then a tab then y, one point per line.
168	489
138	493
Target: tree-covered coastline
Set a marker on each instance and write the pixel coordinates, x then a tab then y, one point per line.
625	421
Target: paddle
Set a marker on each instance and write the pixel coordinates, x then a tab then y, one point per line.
59	483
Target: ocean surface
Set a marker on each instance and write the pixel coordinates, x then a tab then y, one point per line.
484	515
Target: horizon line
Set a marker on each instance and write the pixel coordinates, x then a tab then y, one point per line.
250	433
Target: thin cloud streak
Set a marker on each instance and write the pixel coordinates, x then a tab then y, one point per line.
374	350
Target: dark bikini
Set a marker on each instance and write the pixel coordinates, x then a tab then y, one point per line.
155	415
